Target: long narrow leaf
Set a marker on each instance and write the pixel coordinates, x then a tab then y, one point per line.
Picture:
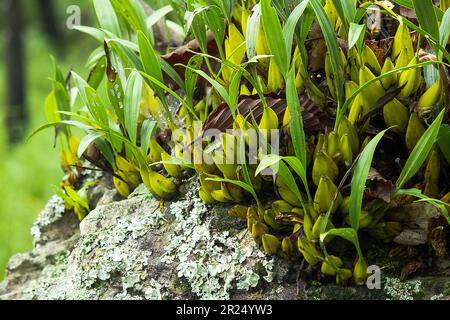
133	94
445	29
420	151
333	48
297	131
274	36
345	233
106	16
291	23
444	141
359	179
427	17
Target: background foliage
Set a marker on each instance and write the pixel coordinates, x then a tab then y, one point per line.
28	170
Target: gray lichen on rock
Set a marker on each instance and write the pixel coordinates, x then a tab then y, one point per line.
52	212
142	248
213	263
398	290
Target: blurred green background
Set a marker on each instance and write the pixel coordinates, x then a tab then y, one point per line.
28	170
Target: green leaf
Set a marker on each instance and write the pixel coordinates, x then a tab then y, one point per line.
405	3
333	48
149	57
132	102
349	10
95	56
51	108
289	180
356	36
133	13
170	71
348	234
170	91
444	141
244	168
234	91
96	107
217	26
409	4
297	131
92	101
359	179
291	23
115	87
274	37
97	73
86	142
191	77
275	162
106	16
96	33
199	29
72	123
427	17
227	7
105	149
217	86
251	35
61	96
125	50
158	15
445	29
300	170
268	161
148	127
420	152
346	10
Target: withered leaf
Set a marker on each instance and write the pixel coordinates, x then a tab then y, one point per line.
183	54
378	187
415	218
403	252
410	269
438	236
110	72
314	118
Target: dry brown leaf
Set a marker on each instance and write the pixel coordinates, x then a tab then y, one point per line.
403	252
410	269
314	119
378	187
438	236
415	219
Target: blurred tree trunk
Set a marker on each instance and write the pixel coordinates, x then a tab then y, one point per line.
49	20
16	113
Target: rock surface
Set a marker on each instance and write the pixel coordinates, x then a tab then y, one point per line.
141	248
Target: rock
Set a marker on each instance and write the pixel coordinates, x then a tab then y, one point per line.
141	248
